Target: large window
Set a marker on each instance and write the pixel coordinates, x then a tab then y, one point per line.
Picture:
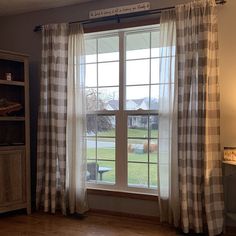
122	91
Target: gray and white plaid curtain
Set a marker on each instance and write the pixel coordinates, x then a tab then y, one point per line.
61	156
200	177
51	148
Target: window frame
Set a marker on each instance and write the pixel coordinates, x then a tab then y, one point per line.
121	139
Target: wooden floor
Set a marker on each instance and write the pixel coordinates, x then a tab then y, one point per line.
92	225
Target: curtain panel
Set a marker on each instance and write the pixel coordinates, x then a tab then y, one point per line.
51	148
168	165
76	122
61	165
200	174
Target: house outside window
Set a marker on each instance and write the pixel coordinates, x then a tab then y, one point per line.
122	92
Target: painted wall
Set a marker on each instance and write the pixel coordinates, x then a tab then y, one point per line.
17	35
227	55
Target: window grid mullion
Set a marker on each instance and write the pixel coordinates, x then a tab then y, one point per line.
96	125
96	145
150	94
97	69
120	131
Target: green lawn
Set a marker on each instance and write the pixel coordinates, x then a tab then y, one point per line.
108	157
137	172
138	133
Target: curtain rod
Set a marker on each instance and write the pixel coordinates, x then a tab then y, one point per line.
123	16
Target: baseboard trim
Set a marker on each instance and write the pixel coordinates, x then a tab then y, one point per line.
151	219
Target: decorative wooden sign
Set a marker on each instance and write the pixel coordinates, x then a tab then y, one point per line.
120	10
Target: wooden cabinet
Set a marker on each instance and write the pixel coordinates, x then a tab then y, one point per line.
14	132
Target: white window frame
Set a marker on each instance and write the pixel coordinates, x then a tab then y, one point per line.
121	160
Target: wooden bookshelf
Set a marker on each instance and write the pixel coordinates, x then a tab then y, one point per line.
14	133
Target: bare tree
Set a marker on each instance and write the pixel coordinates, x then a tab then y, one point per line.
96	122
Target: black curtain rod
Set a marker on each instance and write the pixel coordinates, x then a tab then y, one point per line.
122	16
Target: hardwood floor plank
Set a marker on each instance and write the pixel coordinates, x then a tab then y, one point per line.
42	224
39	224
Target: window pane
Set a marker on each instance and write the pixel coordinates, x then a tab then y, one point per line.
137	97
154	97
91	99
155	71
137	72
91	75
114	56
138	45
91	148
155	41
108	74
153	176
106	126
108	49
153	124
138	175
106	148
106	172
138	150
138	126
108	98
91	125
91	50
153	150
92	171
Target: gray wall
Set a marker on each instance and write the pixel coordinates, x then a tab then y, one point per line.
17	35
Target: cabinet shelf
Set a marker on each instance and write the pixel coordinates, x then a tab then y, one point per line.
229	162
12	118
14	83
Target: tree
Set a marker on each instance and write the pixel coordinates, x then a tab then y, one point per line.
96	122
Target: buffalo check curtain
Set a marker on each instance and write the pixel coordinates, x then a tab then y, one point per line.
51	148
200	177
60	159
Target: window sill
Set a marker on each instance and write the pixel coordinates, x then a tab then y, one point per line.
122	194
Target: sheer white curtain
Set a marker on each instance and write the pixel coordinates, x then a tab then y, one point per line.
76	122
168	163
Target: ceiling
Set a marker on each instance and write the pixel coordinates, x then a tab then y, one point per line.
12	7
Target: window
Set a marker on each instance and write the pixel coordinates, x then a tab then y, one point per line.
122	91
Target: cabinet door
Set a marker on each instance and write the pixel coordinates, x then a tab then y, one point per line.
12	177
